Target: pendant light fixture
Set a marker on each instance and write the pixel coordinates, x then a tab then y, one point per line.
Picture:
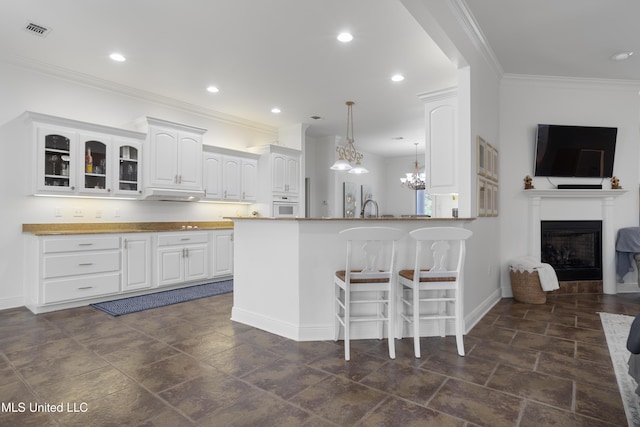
347	153
414	180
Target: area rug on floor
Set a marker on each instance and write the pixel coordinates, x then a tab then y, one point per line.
616	329
161	299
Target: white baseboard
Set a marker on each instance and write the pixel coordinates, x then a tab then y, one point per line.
482	309
11	302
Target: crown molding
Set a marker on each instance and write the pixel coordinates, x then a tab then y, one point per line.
108	86
579	82
466	19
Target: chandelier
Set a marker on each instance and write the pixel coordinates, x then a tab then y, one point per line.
347	154
414	180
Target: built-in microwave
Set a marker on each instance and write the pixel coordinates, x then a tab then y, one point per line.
284	209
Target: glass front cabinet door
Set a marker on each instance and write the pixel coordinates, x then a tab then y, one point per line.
95	178
56	168
128	168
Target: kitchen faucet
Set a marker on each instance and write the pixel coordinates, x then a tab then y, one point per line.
364	205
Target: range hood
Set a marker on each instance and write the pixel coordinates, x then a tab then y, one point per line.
173	195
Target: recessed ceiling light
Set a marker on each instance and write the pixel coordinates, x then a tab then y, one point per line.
275	110
397	78
213	89
621	56
345	37
118	57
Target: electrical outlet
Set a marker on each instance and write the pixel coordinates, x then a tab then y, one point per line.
78	212
57	212
98	213
116	212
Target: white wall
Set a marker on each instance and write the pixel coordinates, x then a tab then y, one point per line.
28	90
526	101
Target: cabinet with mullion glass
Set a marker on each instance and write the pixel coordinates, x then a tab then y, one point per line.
56	169
95	176
128	168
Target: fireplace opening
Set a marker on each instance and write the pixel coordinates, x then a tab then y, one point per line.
573	248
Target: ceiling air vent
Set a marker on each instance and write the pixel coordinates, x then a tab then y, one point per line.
36	29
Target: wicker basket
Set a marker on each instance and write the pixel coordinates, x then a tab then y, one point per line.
526	287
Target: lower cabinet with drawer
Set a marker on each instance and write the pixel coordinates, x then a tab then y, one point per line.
71	268
67	271
182	257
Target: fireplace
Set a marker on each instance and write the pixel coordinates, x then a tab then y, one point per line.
573	248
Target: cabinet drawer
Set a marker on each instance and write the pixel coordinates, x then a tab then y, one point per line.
80	263
81	287
87	243
183	238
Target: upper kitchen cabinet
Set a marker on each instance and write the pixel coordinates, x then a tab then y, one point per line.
55	160
441	113
279	171
77	158
110	166
230	175
173	161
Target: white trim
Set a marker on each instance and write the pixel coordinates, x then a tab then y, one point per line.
87	80
472	29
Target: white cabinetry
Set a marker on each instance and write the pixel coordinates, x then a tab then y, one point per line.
279	176
230	175
73	267
74	157
136	261
173	159
77	270
182	257
222	261
285	174
441	118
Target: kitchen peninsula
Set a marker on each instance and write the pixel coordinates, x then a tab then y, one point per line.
283	270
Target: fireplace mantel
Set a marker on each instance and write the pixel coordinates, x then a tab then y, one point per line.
567	193
604	199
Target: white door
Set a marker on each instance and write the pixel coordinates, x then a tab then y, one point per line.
278	173
212	176
292	185
196	262
136	262
170	265
231	176
223	253
249	179
163	167
190	158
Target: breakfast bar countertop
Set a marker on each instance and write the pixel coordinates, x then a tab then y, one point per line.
122	227
391	219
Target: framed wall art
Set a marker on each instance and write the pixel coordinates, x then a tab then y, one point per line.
487	179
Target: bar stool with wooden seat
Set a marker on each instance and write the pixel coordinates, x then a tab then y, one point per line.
369	274
438	286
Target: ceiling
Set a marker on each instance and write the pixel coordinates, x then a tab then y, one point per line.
284	53
567	38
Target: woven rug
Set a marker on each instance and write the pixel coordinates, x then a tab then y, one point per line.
161	299
616	328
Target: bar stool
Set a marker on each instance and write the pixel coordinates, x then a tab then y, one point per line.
369	273
441	283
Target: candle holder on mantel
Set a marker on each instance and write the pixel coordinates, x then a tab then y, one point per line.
528	183
615	183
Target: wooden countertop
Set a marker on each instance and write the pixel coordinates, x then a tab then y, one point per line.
350	219
122	227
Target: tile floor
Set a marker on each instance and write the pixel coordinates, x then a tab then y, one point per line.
189	365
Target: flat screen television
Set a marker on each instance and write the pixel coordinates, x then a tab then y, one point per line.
575	151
